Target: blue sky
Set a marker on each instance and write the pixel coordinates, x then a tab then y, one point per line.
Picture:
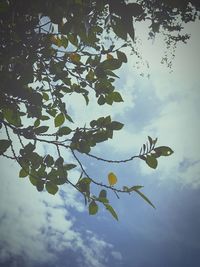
37	229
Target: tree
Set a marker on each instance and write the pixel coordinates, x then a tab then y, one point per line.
52	49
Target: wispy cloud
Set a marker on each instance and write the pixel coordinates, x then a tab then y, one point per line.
36	227
165	106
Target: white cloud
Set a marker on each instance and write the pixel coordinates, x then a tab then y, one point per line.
37	226
176	122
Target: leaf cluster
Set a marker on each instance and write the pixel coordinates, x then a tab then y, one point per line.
52	50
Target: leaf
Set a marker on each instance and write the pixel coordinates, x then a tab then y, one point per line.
112	178
59	120
69	166
12	116
4	145
128	25
59	162
93	208
51	188
33	180
41	129
23	173
116	97
84	147
86	98
163	151
134	9
150	141
122	56
44	118
45	96
49	160
110	73
64	41
40	185
135	187
111	210
36	123
111	64
35	159
73	39
84	185
29	148
56	41
151	161
118	28
68	118
90	76
64	131
103	194
115	125
144	197
109	56
75	58
101	100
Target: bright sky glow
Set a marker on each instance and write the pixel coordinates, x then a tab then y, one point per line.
41	230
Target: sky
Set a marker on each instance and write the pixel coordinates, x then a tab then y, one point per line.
37	229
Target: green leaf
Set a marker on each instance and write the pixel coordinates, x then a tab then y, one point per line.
118	28
29	148
111	210
40	185
109	99
144	197
93	208
36	123
115	125
64	41
59	181
33	180
44	118
68	118
84	185
150	141
75	58
116	97
45	96
163	151
49	160
133	188
101	100
84	147
59	162
64	131
111	64
12	116
134	9
110	73
122	56
90	76
103	194
41	129
4	145
23	173
151	161
86	98
59	120
35	159
73	39
69	166
51	188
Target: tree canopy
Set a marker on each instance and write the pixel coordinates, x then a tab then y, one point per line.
50	50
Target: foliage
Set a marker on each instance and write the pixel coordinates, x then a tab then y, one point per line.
50	50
